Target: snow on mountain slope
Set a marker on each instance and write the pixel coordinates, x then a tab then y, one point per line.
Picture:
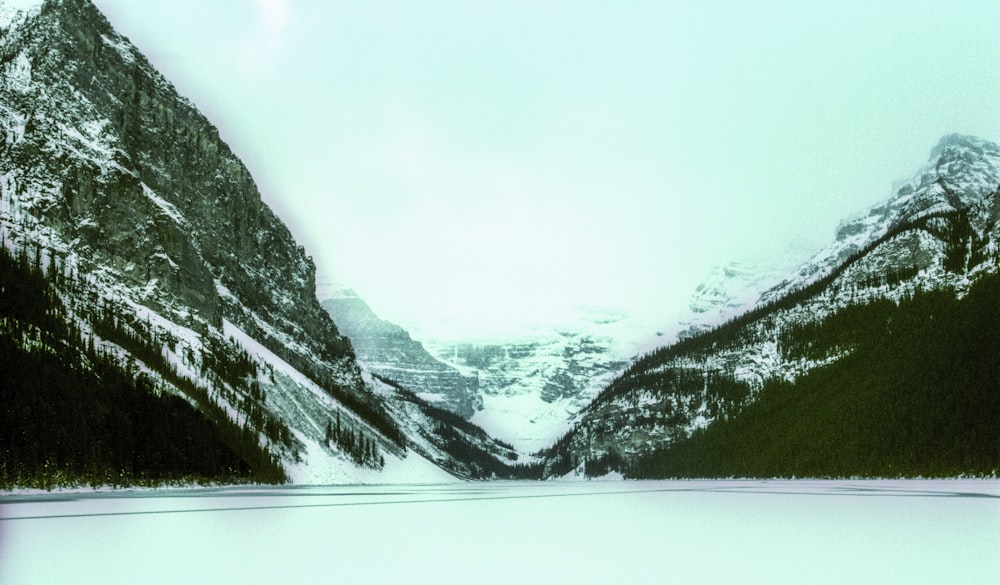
729	290
963	172
127	190
532	387
388	350
938	231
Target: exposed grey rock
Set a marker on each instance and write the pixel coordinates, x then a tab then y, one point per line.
103	150
388	350
110	174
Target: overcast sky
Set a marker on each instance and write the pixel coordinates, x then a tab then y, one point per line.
472	166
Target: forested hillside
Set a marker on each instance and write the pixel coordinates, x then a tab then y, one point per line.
878	356
918	395
74	413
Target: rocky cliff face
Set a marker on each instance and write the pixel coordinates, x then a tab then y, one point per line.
103	151
962	175
121	185
387	350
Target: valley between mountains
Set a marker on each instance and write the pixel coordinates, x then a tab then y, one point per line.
159	324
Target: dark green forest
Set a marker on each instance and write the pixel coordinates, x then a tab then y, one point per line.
964	249
74	415
918	394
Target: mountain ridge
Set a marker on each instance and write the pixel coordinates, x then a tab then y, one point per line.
937	232
388	350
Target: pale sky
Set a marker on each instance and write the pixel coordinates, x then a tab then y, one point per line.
472	166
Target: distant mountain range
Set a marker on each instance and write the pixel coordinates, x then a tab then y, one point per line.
526	391
522	392
386	349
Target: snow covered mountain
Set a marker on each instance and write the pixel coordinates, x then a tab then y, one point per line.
527	391
961	176
523	392
387	350
729	290
166	265
938	231
532	387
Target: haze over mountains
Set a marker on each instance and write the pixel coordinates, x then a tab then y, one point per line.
609	139
152	308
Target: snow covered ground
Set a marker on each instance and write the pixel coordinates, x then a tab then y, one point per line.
552	532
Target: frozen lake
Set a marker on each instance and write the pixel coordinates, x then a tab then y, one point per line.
582	532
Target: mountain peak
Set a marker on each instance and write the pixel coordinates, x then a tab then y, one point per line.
964	142
108	172
963	173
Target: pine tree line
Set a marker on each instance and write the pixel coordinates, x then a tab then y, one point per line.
918	395
74	413
735	331
228	368
352	439
652	374
367	406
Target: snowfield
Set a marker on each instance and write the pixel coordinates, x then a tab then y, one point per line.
548	532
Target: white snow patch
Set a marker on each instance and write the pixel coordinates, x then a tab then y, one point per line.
13	123
90	137
13	11
319	467
123	47
431	396
609	476
223	290
166	207
525	421
18	73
